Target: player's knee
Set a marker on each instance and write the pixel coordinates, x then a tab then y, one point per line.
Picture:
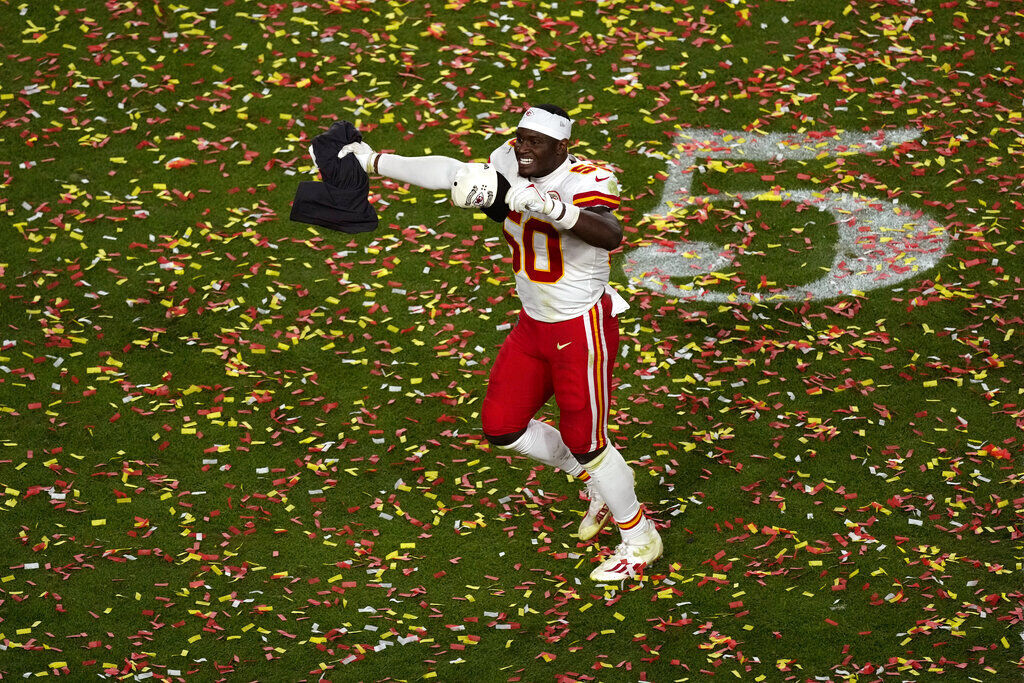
504	440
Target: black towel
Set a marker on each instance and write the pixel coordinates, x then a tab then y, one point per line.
341	201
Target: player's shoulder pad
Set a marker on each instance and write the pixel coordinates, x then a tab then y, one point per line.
596	185
584	167
504	159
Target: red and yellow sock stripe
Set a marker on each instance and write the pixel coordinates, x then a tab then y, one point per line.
633	521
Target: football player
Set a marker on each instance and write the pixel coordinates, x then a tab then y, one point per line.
558	218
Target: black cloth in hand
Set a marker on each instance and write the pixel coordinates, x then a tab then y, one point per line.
341	201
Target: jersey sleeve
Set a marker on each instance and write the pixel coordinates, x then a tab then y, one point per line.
504	160
594	186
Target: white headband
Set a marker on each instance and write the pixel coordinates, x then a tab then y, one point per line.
545	122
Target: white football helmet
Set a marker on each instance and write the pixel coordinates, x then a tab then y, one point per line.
475	186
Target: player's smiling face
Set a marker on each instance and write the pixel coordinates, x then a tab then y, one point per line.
538	154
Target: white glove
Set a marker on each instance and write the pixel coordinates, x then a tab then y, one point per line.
528	198
362	151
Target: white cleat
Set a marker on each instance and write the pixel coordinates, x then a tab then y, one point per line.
630	559
597	515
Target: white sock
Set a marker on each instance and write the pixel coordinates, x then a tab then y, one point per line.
543	443
614	481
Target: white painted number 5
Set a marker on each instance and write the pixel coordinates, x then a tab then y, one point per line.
880	242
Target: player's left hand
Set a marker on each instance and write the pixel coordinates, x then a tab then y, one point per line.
527	197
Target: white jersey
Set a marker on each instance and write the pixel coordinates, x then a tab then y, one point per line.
558	275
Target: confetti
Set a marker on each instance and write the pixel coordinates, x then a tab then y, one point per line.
229	443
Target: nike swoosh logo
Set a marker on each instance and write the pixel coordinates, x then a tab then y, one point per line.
601	180
562	346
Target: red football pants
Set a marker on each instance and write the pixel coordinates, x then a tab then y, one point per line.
572	360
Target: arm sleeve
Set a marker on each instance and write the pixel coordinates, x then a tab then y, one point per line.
437	173
430	173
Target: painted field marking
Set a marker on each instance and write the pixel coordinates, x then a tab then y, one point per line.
880	242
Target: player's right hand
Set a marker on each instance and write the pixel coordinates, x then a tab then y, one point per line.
362	151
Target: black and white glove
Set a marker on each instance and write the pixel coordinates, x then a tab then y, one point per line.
527	197
475	186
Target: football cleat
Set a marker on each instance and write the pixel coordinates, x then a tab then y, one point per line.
597	515
630	559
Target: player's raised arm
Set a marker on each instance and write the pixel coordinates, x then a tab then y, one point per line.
472	185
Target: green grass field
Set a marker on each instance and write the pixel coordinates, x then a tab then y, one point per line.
236	447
